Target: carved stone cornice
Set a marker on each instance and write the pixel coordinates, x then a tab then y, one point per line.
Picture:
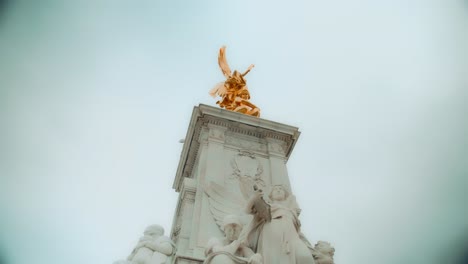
259	130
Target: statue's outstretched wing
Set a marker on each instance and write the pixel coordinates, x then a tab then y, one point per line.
222	61
219	89
224	202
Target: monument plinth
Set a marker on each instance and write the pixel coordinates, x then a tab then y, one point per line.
235	203
231	150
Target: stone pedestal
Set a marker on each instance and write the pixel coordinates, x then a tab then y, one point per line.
227	149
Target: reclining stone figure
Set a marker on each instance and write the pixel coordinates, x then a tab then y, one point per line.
152	248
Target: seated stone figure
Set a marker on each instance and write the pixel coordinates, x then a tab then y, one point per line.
153	247
323	253
229	250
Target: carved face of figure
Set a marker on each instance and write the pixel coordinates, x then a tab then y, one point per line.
232	231
278	193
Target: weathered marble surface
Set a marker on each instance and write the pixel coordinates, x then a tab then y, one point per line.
227	158
273	233
323	253
152	248
276	236
229	249
230	150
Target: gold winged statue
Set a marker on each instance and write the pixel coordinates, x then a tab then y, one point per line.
234	93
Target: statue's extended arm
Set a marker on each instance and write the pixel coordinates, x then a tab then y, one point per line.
130	257
258	207
231	248
141	243
254	258
164	247
248	70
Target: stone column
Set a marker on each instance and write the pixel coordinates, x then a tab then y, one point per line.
187	197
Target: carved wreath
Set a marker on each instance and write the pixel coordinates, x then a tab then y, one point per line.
247	169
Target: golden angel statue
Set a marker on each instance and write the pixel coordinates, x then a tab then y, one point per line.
234	93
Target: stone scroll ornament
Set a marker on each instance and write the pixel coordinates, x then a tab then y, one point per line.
247	170
234	93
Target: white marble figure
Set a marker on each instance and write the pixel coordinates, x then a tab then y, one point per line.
229	249
153	247
275	233
323	253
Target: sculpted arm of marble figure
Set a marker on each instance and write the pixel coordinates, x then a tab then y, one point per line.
214	245
253	258
261	212
164	247
229	250
143	241
323	253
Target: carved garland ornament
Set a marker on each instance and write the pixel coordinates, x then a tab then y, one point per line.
247	170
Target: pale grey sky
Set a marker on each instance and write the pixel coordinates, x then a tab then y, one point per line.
94	96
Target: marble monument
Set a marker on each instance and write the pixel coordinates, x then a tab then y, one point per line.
235	202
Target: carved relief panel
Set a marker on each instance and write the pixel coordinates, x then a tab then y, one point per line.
247	171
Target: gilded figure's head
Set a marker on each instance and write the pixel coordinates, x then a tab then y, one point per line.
244	94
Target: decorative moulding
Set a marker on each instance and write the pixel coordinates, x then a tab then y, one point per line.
235	124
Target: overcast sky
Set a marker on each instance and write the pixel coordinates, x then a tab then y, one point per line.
95	95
